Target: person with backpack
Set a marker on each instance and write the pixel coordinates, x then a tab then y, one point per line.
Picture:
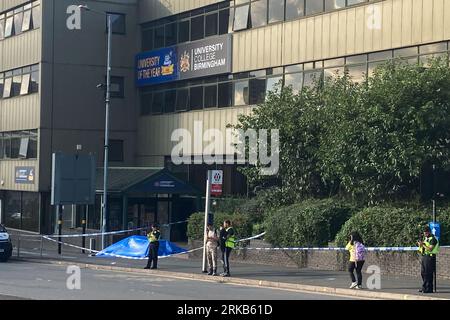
357	255
212	242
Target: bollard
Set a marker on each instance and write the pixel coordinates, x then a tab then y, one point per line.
92	244
42	244
18	245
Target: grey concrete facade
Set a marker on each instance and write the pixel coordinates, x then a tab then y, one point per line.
69	109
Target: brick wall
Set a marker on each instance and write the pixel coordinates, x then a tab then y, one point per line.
390	263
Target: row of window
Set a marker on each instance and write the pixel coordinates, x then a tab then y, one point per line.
21	19
222	18
18	144
257	13
19	82
250	88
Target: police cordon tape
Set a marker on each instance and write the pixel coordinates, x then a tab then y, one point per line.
116	255
99	233
369	249
140	258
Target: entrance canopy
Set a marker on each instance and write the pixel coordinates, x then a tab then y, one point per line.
143	180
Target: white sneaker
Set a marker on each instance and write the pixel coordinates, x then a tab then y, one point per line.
353	285
358	287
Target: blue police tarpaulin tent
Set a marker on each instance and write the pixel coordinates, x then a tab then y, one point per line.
137	247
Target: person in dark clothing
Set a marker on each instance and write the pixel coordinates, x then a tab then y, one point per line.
153	237
428	248
229	242
222	237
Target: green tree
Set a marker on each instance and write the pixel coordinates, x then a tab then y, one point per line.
368	140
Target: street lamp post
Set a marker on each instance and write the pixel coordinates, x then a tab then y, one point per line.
107	105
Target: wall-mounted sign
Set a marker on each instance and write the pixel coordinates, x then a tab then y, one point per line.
156	66
165	184
216	183
185	61
25	175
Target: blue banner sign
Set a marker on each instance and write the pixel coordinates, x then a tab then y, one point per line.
156	66
25	175
185	61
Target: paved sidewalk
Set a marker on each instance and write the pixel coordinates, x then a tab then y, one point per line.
255	274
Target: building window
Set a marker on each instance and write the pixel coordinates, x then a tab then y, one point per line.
147	39
241	92
257	87
273	84
26	22
9	25
25	87
313	7
241	17
146	103
158	102
170	100
211	24
182	100
19	82
196	98
36	15
115	150
224	19
18	144
18	20
34	79
224	94
118	22
211	96
2	26
184	31
276	10
159	37
171	34
295	81
295	9
353	2
7	88
197	28
331	5
258	14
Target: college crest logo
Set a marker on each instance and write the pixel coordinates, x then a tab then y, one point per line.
185	62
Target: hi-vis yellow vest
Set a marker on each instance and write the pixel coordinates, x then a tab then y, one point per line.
427	243
230	242
153	236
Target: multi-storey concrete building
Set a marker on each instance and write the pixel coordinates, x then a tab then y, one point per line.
196	60
49	98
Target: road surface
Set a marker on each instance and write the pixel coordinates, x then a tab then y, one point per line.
27	280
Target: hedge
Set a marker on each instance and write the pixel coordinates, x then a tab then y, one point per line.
392	226
241	224
308	223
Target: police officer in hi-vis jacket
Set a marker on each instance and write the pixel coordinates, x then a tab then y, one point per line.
428	248
153	238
